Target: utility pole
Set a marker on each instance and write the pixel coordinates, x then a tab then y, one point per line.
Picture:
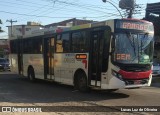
130	13
11	21
113	6
128	5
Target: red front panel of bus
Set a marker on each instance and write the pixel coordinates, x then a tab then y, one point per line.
135	75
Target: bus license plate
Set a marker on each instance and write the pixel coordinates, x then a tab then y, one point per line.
137	82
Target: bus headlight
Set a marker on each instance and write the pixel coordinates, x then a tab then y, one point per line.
116	74
119	76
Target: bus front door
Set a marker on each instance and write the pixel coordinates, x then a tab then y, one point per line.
96	57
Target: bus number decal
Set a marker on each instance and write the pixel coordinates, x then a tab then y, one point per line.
123	56
69	60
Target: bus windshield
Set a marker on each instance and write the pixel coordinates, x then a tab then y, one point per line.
134	48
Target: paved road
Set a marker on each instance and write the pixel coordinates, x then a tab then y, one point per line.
18	91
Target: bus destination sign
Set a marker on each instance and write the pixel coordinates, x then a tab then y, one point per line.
134	25
130	25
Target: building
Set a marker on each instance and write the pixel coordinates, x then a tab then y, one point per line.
32	28
4	48
23	30
152	8
69	23
153	15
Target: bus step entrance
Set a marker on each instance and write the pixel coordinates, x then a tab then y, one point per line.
95	83
95	80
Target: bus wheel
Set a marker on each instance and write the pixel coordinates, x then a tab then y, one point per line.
31	75
81	82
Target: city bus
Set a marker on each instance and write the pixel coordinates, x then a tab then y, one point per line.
107	55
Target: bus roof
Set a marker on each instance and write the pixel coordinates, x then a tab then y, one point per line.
59	29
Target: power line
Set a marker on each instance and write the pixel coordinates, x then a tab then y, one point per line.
114	2
50	8
78	5
43	16
81	4
114	6
43	12
37	9
60	2
67	4
11	21
29	2
33	5
19	7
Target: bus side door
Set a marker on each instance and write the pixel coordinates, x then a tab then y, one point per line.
96	56
20	56
49	58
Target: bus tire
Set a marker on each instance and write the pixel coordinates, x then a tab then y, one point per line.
31	75
81	82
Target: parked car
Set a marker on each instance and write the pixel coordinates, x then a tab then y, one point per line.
4	64
156	69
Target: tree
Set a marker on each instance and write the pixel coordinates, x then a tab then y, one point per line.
0	26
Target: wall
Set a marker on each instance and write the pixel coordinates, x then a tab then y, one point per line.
22	30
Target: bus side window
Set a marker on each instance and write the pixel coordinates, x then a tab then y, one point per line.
66	43
59	47
37	45
51	45
63	43
79	42
13	46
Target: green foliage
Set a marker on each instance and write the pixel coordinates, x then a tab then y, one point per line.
0	26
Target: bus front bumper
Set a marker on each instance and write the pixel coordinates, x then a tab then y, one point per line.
116	83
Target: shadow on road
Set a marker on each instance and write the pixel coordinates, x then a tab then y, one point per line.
17	89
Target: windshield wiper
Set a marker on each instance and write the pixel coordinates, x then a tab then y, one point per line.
132	44
142	41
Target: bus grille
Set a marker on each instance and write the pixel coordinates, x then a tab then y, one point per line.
135	82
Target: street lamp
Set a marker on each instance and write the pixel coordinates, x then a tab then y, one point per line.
114	6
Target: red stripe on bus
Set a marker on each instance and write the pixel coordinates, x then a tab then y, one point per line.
85	63
135	75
